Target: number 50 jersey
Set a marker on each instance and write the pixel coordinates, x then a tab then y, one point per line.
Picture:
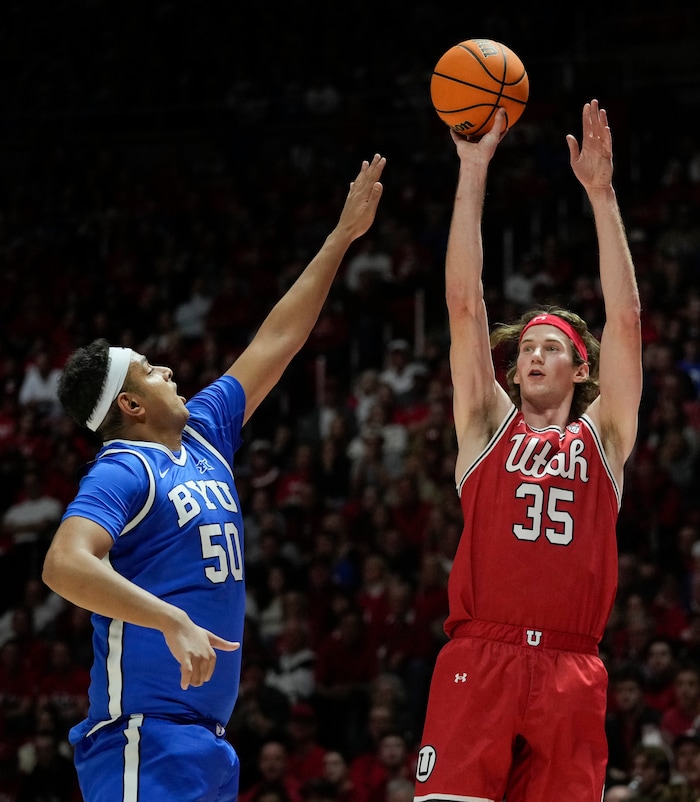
539	543
178	532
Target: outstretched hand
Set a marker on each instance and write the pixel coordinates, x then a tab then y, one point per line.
592	163
363	198
482	147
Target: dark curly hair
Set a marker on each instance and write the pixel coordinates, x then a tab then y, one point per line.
508	334
81	383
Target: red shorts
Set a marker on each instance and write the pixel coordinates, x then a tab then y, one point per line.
514	711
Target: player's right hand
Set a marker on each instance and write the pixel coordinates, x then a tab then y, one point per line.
193	647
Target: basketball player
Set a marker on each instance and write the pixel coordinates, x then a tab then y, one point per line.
517	699
153	545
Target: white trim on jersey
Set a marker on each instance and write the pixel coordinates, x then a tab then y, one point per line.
115	685
181	460
198	437
489	447
136	520
131	759
603	457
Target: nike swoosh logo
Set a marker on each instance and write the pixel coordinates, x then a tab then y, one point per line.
162	473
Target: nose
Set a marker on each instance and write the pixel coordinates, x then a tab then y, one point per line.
167	372
537	353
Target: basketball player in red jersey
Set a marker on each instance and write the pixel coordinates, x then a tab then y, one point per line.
517	700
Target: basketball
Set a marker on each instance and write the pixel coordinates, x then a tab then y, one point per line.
475	78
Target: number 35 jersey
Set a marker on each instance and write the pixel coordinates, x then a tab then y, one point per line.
539	542
178	532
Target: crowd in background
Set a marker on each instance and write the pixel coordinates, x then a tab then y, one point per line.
178	243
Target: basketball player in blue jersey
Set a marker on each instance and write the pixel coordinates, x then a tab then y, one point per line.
153	545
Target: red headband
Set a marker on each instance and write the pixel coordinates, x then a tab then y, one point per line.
562	325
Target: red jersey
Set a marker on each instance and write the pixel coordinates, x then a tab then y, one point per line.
539	544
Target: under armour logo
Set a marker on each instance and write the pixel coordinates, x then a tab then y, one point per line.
204	465
534	636
461	677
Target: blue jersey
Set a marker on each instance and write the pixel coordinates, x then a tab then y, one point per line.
178	533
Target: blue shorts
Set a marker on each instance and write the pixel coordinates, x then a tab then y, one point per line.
146	759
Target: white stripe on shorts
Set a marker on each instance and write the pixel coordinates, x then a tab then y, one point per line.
131	759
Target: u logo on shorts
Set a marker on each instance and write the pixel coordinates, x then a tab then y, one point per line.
534	637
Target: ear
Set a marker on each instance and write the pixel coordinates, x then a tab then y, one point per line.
130	405
581	373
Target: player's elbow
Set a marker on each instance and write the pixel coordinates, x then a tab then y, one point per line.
56	569
51	572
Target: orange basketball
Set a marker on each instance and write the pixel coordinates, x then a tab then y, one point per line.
473	79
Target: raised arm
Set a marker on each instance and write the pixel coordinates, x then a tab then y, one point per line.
287	327
479	401
615	411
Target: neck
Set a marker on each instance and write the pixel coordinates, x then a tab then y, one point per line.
172	440
542	415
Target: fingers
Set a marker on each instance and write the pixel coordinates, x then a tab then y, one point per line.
223	645
195	670
185	674
574	150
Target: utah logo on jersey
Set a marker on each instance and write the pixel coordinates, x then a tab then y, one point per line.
530	456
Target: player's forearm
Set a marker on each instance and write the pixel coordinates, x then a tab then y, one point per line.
296	313
464	259
90	583
617	276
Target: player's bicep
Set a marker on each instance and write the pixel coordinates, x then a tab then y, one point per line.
476	393
78	536
617	407
75	551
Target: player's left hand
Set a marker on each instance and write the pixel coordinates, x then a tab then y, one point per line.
592	163
363	198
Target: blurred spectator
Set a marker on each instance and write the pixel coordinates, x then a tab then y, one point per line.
372	595
316	425
305	752
682	716
660	666
17	687
45	606
29	522
261	713
190	316
345	666
63	687
686	761
272	769
400	789
52	777
393	760
370	264
630	722
336	770
318	789
293	668
39	387
400	370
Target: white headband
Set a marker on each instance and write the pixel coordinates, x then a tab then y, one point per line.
119	359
